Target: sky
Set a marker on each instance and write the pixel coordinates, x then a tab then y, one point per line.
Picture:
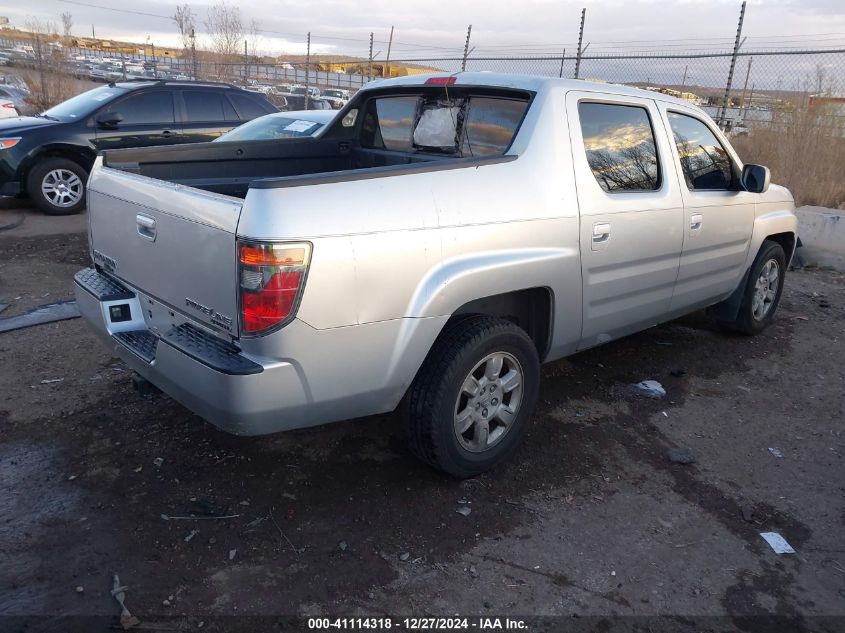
438	27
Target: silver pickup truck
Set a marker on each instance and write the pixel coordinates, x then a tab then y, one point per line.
442	237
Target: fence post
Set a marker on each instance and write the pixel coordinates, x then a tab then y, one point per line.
370	62
580	41
307	67
386	73
194	53
466	49
562	57
246	64
737	44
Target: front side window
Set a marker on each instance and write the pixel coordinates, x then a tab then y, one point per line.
705	163
620	146
147	108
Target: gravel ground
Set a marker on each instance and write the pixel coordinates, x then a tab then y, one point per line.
591	517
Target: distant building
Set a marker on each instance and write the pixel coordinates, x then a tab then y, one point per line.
831	104
686	96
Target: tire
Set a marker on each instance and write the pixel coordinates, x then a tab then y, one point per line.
469	349
759	300
67	179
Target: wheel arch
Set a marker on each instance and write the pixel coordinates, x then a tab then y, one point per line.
530	309
83	156
787	241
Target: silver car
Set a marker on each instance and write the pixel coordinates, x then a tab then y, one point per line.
427	249
279	125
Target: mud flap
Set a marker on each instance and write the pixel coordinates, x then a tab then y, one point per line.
728	310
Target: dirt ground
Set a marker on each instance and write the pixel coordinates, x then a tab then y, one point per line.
589	520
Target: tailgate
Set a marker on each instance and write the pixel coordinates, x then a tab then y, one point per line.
174	243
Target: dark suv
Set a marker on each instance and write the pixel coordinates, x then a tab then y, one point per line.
48	156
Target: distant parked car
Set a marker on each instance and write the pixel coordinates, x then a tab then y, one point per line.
280	125
105	72
49	156
338	93
7	109
15	95
297	102
301	90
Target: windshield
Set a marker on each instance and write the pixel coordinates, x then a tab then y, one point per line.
272	127
298	90
333	93
82	105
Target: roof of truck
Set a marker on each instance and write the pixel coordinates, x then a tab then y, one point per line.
534	83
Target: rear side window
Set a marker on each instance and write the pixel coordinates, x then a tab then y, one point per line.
454	125
206	106
704	161
620	146
145	109
247	107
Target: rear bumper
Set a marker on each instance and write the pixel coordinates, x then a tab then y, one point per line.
236	393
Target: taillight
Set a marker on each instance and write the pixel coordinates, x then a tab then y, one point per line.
9	105
272	276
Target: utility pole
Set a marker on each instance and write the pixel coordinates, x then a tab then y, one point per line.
466	49
745	87
246	63
737	44
580	41
155	65
307	66
93	36
370	64
386	72
562	57
194	53
750	99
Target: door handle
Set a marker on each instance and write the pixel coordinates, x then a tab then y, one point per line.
601	232
146	227
695	222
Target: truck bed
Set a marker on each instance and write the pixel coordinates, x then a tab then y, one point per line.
231	167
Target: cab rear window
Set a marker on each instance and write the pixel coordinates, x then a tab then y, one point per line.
463	126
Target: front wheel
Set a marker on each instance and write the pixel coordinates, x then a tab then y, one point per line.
762	292
473	397
57	186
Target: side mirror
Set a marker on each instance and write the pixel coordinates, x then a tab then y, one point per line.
755	178
109	119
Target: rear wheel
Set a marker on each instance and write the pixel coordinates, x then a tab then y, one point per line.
762	293
57	186
473	397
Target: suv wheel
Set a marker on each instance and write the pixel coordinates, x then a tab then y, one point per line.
57	186
762	291
473	397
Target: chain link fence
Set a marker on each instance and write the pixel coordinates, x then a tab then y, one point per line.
783	108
